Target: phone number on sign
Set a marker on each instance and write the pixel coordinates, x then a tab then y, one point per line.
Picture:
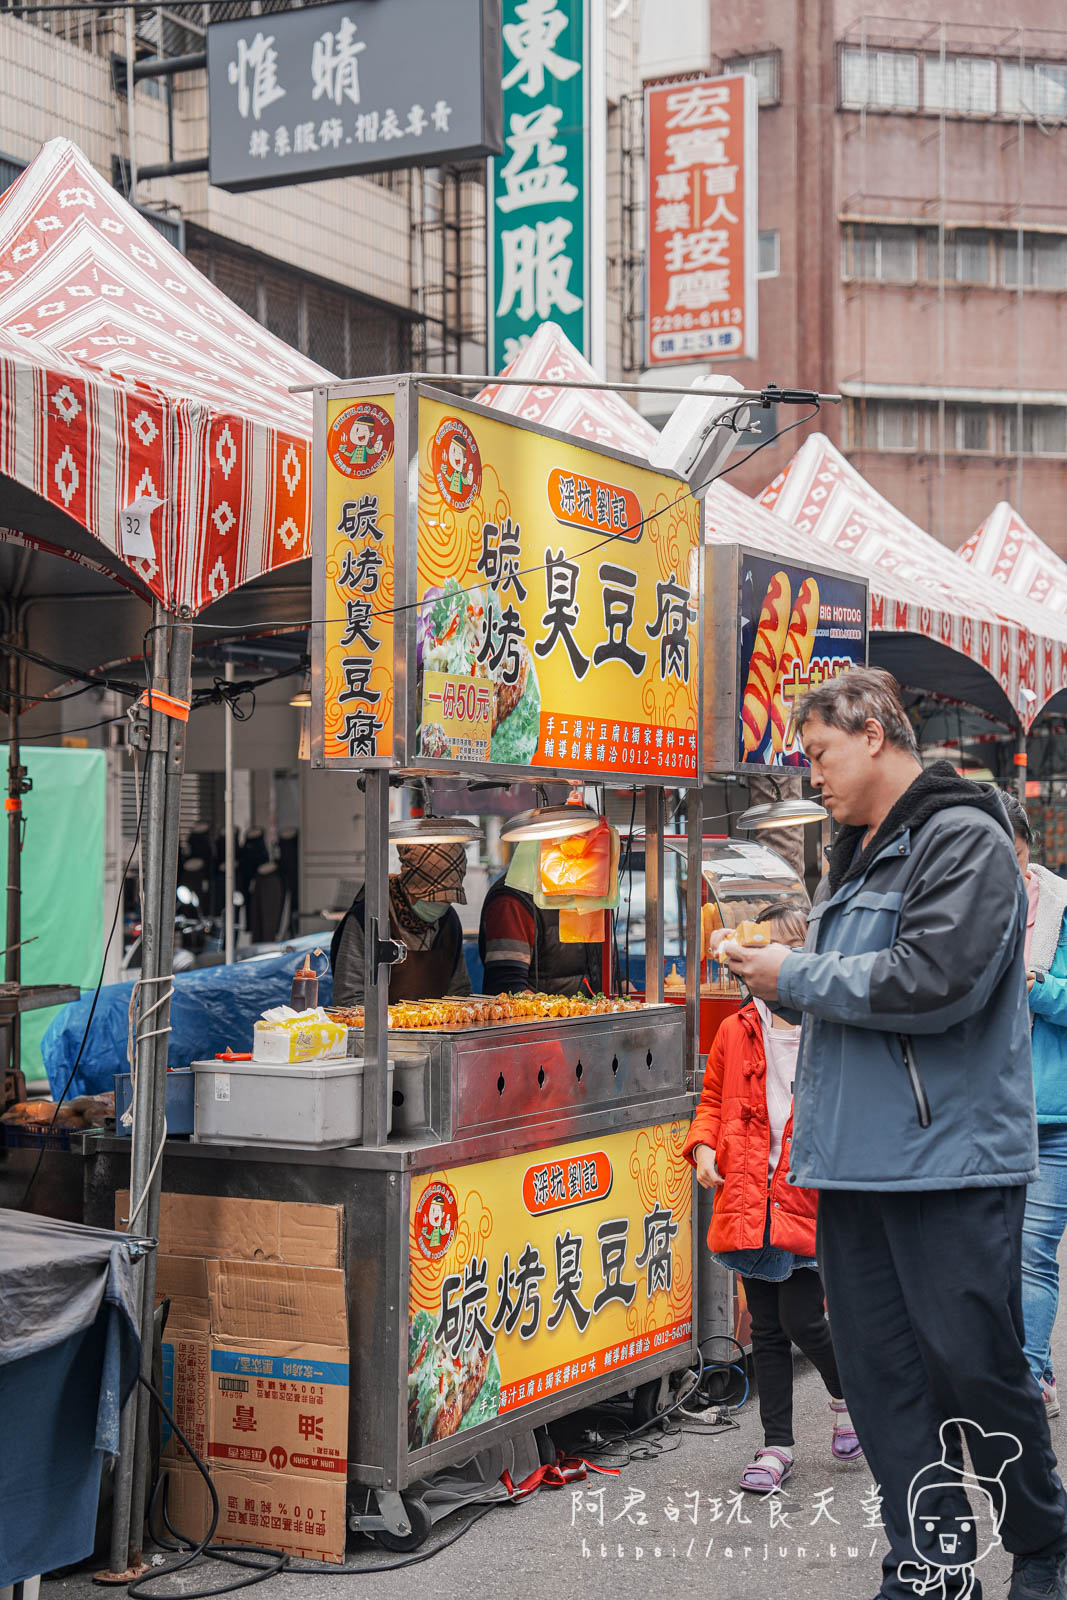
677	321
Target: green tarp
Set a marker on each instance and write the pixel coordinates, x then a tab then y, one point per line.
62	877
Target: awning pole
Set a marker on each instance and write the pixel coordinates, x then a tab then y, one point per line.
228	861
143	1149
1020	765
16	786
180	658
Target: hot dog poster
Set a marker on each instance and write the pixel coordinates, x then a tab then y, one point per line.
536	1273
798	627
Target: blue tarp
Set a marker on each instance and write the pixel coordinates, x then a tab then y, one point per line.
213	1008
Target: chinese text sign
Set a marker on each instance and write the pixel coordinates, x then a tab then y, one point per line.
536	1273
327	90
538	244
700	142
797	629
359	595
558	595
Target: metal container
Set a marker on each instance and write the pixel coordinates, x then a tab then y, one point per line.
316	1106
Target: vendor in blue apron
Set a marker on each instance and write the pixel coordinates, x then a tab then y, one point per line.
422	898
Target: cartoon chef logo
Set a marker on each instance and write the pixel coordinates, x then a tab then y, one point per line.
457	464
360	439
955	1513
436	1218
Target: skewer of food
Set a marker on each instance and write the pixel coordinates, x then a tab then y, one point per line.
439	1014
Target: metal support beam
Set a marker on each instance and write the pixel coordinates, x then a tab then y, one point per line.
376	982
178	656
171	169
694	823
228	852
167	66
655	812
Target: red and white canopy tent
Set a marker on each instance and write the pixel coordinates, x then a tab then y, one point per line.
126	377
934	621
940	622
1007	548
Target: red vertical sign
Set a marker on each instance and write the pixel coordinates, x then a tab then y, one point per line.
700	148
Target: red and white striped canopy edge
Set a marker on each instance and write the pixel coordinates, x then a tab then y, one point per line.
1007	548
125	374
921	586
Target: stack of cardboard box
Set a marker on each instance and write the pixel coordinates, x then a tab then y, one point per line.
255	1362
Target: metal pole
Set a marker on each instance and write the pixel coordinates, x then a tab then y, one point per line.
228	861
144	1096
131	101
15	775
179	680
694	822
655	811
376	981
1020	765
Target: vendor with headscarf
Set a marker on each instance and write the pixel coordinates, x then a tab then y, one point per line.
422	896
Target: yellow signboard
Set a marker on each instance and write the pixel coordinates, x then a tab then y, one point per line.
537	1273
567	582
360	579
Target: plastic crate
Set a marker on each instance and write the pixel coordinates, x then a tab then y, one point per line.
181	1095
34	1137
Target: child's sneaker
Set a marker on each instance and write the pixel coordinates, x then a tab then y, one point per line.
1050	1397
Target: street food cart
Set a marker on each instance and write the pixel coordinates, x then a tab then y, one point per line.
495	601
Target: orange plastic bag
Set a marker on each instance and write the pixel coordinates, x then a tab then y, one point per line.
581	927
580	865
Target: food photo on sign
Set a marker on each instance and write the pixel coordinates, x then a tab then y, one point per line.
539	561
797	629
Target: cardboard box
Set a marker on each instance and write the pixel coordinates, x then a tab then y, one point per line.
245	1230
305	1518
186	1351
278	1398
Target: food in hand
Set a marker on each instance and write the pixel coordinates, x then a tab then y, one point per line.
796	656
763	666
753	935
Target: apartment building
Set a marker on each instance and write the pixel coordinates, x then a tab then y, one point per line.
913	241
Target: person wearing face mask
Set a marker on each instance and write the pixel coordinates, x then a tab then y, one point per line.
422	915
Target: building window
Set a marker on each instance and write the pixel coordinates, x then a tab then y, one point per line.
1044	261
880	254
884	425
1034	89
966	84
769	254
1044	431
968	428
766	69
881	80
969	255
9	171
345	333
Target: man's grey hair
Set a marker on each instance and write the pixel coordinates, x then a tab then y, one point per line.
852	698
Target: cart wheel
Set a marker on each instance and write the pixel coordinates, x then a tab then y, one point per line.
421	1524
651	1399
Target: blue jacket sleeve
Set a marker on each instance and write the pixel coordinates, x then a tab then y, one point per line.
959	927
1049	1000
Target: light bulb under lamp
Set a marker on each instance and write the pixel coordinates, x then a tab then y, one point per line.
781	814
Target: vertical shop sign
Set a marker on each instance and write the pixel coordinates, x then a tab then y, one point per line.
701	249
358	616
538	258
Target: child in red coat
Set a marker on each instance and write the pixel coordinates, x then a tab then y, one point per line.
762	1226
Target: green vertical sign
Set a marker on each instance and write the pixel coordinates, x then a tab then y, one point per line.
538	256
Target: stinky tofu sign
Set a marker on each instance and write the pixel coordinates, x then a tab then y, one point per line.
492	597
700	139
323	91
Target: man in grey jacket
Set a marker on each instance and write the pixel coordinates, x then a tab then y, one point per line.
914	1115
